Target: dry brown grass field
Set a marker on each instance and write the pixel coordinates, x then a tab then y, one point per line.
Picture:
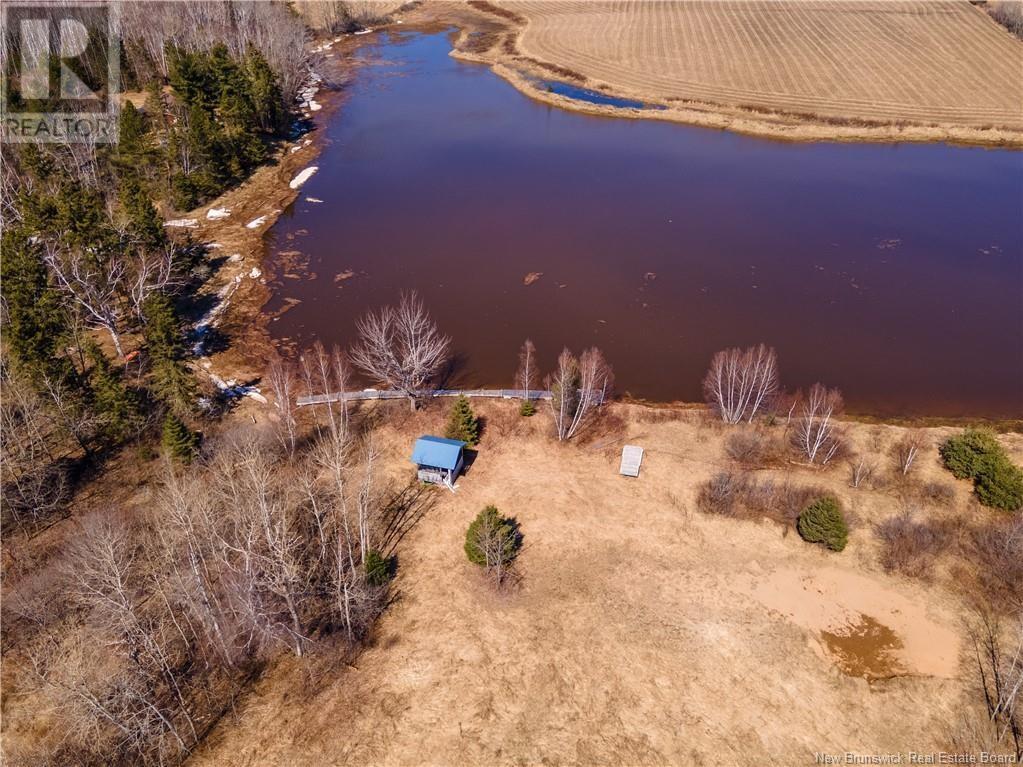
643	631
841	62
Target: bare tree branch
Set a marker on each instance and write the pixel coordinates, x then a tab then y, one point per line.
401	347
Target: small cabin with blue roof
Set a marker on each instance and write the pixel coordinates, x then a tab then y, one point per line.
439	460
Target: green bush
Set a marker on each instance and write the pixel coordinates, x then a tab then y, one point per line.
378	568
977	455
822	522
500	534
463	423
965	454
999	484
527	408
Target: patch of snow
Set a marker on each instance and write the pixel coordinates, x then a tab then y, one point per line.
233	390
235	257
302	177
315	106
363	32
215	214
256	222
210	319
313	199
256	273
183	222
214	245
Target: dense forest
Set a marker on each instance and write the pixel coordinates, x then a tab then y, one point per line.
84	246
97	374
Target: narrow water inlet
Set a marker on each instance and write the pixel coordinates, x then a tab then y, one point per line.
579	93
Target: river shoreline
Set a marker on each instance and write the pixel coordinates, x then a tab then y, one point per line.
246	319
523	72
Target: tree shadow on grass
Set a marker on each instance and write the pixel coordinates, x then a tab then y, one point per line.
403	512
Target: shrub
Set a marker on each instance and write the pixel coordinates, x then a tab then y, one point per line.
378	568
178	440
463	423
724	493
822	522
527	408
751	448
910	547
861	470
999	546
492	540
964	454
976	455
938	493
736	494
999	484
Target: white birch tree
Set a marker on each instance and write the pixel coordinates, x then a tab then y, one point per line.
741	382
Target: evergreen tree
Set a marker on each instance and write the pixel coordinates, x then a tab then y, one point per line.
180	442
117	406
225	104
265	93
132	130
36	326
189	75
172	382
527	408
81	220
145	222
823	522
463	423
492	539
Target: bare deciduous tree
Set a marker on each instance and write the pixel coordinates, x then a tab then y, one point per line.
527	374
105	575
741	382
861	469
103	286
325	374
283	381
999	670
32	479
905	451
94	284
401	347
578	388
817	434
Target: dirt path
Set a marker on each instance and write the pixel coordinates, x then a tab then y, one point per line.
644	632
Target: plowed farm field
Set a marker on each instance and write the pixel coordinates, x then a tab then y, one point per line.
884	61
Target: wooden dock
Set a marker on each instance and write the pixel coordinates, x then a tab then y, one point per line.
367	394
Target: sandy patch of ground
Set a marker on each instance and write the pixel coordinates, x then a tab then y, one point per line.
843	605
644	632
844	69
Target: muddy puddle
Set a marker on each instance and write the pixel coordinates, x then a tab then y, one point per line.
865	648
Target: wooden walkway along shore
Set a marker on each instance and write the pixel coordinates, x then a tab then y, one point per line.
348	396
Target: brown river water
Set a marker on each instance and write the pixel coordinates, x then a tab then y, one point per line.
894	272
